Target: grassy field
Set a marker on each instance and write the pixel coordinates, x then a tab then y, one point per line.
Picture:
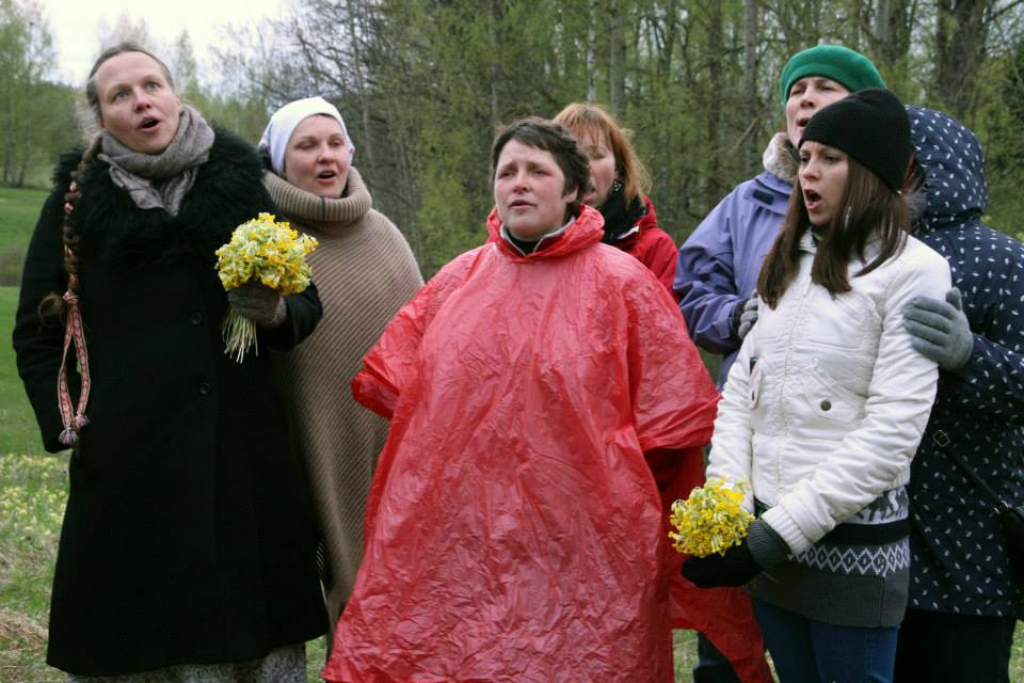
33	490
32	493
20	209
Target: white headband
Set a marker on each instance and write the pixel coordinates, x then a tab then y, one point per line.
286	119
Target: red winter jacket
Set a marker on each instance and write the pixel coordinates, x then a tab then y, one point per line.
652	246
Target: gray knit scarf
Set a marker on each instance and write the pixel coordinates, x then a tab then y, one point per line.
160	181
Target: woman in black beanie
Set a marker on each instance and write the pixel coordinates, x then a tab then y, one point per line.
827	402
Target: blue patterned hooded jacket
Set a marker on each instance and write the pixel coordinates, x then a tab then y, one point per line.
959	558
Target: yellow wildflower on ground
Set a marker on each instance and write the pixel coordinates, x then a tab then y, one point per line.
712	519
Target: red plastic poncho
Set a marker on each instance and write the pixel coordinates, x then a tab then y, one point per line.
514	530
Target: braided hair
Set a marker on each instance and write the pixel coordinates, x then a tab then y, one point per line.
53	305
65	307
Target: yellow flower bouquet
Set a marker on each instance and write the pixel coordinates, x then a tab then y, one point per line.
711	520
268	252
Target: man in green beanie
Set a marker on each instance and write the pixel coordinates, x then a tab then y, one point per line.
719	263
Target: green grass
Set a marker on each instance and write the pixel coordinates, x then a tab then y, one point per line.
31	506
18	434
20	210
32	494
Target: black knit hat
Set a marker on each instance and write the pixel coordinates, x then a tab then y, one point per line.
871	126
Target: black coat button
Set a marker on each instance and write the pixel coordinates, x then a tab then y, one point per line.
826	404
205	388
196	318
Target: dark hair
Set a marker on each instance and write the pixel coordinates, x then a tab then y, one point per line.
53	305
867	209
555	139
585	120
91	94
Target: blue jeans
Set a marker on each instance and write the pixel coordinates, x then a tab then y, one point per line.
809	651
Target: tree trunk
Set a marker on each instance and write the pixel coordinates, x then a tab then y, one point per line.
494	14
358	35
617	61
882	10
713	102
890	38
750	79
592	14
960	37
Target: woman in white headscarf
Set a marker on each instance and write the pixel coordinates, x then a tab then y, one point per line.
365	271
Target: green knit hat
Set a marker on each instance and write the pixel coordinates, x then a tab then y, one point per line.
841	64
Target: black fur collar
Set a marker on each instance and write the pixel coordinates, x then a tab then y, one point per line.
117	234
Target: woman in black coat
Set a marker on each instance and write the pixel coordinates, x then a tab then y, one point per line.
188	544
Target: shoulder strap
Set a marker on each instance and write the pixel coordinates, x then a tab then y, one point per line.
941	439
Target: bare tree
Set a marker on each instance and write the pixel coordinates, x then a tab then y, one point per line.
616	58
753	108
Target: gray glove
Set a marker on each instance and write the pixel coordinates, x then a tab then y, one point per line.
766	545
745	315
259	303
939	330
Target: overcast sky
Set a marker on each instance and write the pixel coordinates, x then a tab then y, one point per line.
76	25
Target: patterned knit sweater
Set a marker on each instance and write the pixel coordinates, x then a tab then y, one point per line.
365	272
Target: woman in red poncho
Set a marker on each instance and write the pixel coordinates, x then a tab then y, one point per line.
514	530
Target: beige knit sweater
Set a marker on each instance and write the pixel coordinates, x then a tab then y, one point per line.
364	271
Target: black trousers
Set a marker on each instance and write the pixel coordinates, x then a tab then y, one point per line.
954	648
712	665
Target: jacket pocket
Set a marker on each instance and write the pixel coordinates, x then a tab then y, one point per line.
763	398
840	322
831	401
756	384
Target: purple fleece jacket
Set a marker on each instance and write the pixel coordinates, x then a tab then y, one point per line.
719	263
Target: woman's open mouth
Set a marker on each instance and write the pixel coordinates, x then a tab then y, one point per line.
812	200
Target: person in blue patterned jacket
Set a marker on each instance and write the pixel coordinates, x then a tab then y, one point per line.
964	598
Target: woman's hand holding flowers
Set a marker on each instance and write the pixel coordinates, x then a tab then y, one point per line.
760	549
734	568
259	303
263	262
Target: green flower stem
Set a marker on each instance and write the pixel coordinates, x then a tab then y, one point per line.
239	335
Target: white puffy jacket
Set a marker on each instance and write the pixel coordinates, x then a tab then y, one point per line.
827	401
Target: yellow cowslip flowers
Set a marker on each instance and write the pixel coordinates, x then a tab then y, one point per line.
268	252
711	520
